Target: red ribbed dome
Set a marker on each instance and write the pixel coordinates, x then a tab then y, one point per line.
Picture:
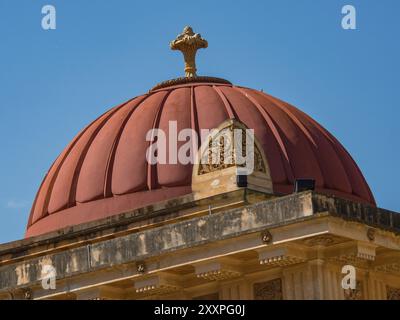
104	171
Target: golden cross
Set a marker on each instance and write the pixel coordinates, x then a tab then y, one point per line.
188	43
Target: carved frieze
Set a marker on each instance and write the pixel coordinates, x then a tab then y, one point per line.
323	240
355	294
269	290
223	151
392	293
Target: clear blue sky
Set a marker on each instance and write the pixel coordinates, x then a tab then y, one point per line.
53	83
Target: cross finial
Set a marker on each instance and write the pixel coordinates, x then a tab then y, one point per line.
189	42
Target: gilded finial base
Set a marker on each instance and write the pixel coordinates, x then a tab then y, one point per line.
185	80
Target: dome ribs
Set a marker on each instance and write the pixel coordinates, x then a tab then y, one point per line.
94	172
42	201
82	156
129	169
210	109
301	150
226	103
354	175
35	214
283	106
110	163
356	178
175	109
35	202
40	208
152	179
335	174
278	160
194	117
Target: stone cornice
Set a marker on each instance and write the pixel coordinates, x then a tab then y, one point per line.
191	233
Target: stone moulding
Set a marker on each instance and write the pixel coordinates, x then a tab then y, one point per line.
183	80
153	242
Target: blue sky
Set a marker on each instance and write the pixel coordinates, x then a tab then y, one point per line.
53	83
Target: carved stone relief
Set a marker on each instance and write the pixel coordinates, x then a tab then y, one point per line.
392	293
269	290
355	294
221	152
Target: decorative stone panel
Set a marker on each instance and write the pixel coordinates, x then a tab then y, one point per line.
355	294
269	290
392	293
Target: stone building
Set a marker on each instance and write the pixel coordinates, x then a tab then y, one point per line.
108	224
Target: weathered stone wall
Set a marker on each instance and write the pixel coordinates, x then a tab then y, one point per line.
91	256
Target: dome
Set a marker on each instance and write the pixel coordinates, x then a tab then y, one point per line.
104	171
